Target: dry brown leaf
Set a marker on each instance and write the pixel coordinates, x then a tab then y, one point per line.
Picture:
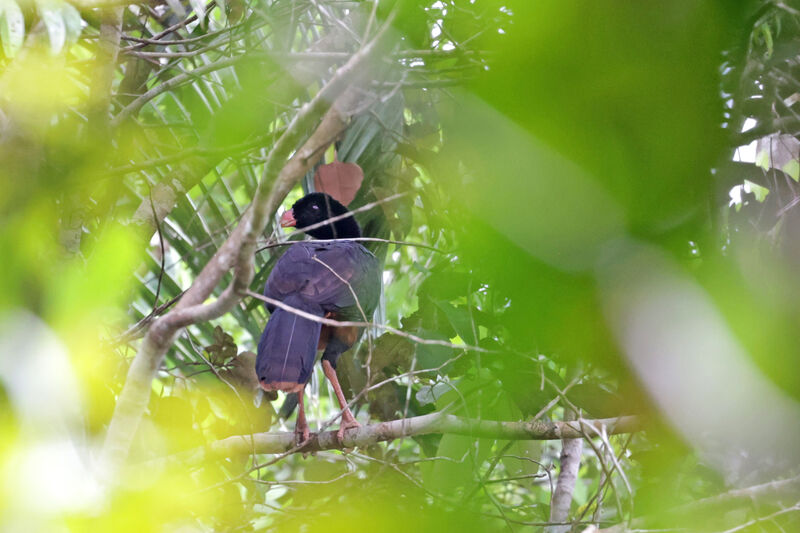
340	180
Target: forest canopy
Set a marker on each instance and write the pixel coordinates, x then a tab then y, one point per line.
584	218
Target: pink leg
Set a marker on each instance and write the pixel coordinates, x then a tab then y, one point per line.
348	420
301	431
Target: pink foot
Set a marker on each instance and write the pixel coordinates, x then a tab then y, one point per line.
347	423
302	434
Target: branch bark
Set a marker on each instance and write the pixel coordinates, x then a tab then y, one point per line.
107	52
98	115
571	450
275	443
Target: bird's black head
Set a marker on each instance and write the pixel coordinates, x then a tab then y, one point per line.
316	207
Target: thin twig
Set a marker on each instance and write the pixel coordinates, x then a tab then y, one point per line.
356	239
331	220
163	252
348	323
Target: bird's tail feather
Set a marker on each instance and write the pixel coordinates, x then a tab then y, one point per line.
288	347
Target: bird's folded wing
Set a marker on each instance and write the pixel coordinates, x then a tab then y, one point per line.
321	272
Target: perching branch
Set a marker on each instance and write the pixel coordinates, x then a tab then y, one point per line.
275	443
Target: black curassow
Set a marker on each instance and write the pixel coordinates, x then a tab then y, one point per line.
327	280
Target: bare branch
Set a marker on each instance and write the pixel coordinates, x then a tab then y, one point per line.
793	508
358	239
571	450
107	51
278	443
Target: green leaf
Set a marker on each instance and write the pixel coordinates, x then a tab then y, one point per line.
762	159
432	355
12	27
391	350
429	394
222	13
767	34
460	319
758	191
50	12
793	169
199	8
72	21
448	476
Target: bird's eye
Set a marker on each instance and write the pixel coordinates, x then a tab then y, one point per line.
315	207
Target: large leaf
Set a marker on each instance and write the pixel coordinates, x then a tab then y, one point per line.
199	8
340	180
72	21
51	13
12	27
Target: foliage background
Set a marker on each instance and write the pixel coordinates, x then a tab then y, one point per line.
610	188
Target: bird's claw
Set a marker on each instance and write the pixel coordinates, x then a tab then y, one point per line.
346	424
302	435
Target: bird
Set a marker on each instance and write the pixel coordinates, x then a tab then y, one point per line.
337	279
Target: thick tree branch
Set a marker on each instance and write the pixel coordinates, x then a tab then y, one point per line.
103	76
571	450
98	114
275	443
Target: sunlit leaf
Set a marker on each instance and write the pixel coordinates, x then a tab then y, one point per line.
12	27
52	15
72	21
792	168
758	191
199	8
766	33
340	180
762	159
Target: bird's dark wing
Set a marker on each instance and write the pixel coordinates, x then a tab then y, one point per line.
321	272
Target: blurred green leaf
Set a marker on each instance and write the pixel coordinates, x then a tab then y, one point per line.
51	13
199	8
177	7
72	21
432	355
12	27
